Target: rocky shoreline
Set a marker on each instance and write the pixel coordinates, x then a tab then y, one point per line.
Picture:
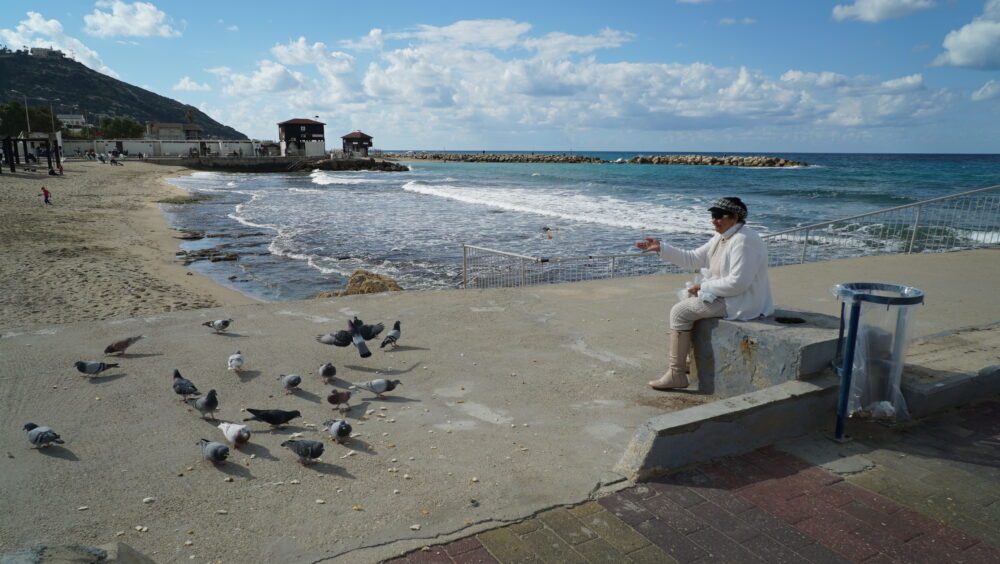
705	160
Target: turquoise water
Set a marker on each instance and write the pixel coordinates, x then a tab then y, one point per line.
301	233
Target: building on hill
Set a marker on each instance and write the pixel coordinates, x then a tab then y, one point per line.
43	52
356	144
166	131
302	138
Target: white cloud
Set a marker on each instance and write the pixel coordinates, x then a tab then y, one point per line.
270	77
989	91
874	11
36	31
559	44
189	85
498	34
727	21
975	45
140	19
734	21
372	41
233	27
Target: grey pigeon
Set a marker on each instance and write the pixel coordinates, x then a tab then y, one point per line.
290	382
214	452
220	325
327	371
392	337
183	387
41	437
339	429
207	404
235	362
92	368
308	451
357	333
120	346
337	397
235	433
378	386
273	417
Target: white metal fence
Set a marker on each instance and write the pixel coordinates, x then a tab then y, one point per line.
968	220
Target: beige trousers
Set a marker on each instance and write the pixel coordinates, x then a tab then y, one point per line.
687	311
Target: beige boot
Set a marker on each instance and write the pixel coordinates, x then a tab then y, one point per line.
676	376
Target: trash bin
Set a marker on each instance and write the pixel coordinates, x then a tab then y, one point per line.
877	319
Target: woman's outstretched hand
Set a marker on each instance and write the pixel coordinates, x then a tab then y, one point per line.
651	244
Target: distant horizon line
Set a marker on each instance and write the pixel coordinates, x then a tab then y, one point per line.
646	152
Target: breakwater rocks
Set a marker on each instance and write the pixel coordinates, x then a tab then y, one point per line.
277	164
727	160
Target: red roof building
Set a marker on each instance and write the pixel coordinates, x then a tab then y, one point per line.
356	144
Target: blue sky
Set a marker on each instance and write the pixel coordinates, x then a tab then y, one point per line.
666	75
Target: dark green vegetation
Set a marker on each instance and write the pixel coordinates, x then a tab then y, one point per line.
72	88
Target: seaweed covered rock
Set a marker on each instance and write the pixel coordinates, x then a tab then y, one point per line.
364	282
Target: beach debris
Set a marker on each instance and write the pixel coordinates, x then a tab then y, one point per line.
340	430
219	325
228	479
207	404
120	534
414	527
407	477
235	433
141	528
350	453
188	543
395	491
356	333
183	387
214	452
290	382
357	507
307	451
221	512
294	482
392	337
273	417
82	508
327	371
235	362
40	436
338	397
378	386
120	346
474	480
148	499
320	501
92	369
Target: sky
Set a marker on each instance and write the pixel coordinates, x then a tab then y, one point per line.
873	76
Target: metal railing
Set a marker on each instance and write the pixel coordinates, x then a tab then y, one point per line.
968	220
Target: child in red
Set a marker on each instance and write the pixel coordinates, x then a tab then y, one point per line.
45	194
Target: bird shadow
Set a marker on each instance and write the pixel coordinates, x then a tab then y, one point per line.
258	450
404	348
397	399
108	378
247	375
139	355
392	372
383	371
231	335
359	408
56	451
306	395
359	445
287	430
233	469
330	470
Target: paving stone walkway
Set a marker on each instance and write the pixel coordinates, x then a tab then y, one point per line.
927	492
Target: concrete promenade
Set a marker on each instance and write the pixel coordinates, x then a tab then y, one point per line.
515	407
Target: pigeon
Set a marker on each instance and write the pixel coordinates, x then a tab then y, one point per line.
392	337
92	368
120	346
290	382
327	371
308	451
207	404
41	437
339	429
274	417
183	387
357	332
220	325
236	361
378	386
337	397
214	452
235	433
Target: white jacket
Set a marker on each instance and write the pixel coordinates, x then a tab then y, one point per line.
743	279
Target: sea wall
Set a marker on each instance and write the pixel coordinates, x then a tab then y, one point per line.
277	164
728	160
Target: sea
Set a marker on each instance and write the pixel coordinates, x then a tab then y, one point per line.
299	234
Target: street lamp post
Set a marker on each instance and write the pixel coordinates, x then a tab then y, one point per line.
26	119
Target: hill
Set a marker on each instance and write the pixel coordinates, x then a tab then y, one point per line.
93	93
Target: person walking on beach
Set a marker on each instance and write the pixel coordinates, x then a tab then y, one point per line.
736	286
46	194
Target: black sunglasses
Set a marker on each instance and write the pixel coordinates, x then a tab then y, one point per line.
719	215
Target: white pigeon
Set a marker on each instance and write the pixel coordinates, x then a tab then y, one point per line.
236	361
235	433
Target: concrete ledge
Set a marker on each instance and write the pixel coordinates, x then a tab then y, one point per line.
730	426
739	357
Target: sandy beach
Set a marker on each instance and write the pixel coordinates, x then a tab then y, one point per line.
102	250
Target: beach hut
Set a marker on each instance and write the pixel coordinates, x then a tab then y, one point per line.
356	144
301	138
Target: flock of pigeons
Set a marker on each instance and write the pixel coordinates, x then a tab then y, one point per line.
357	333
